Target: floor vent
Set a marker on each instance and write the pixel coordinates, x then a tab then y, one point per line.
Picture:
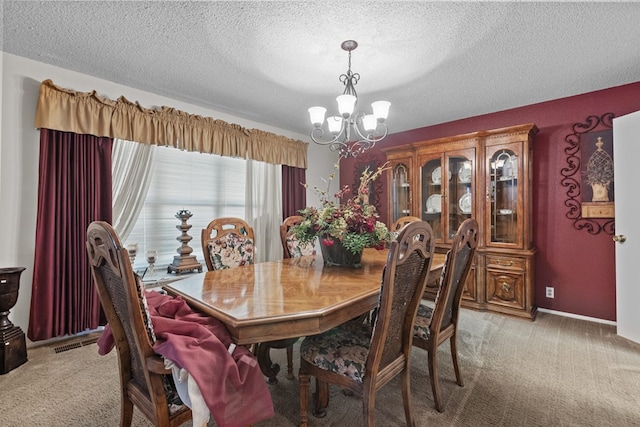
90	341
77	344
66	347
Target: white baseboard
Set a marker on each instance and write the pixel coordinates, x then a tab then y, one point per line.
577	316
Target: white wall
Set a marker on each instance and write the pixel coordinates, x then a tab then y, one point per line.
1	139
19	149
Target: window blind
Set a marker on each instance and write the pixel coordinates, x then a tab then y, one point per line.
208	185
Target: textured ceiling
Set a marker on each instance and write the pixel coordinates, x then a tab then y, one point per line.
269	61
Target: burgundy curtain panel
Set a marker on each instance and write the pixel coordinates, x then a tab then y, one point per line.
74	189
294	195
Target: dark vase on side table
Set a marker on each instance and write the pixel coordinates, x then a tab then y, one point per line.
14	348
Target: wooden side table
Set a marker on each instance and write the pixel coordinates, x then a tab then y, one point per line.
13	347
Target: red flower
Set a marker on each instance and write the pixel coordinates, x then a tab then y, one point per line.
327	242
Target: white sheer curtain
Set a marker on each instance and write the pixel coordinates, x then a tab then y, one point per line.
263	208
132	172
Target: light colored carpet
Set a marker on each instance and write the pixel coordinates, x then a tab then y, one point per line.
556	371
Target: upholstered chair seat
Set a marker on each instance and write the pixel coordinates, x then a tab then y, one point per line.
423	319
343	349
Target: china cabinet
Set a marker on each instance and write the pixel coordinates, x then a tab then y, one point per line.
485	175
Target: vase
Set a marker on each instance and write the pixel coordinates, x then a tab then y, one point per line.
339	256
13	345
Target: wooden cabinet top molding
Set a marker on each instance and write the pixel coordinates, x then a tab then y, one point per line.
450	141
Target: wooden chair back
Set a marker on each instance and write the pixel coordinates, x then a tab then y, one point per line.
291	247
143	376
227	232
456	271
403	284
402	221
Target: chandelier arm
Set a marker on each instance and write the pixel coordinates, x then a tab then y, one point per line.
318	132
383	133
377	134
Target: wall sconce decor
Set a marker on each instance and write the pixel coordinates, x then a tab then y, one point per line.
588	175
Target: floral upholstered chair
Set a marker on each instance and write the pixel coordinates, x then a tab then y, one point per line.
228	243
291	246
435	326
363	357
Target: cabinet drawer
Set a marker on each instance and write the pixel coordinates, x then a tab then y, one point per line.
497	261
505	288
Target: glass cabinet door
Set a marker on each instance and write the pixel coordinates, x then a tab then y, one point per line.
504	212
432	188
459	195
401	192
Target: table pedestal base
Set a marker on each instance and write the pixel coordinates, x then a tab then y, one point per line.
268	368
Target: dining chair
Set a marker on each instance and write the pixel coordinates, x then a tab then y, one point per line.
144	381
434	326
362	357
402	221
291	246
229	243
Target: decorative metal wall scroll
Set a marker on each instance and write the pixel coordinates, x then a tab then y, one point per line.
588	175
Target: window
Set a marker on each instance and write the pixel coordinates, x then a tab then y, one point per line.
209	186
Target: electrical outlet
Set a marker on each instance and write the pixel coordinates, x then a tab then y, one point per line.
550	292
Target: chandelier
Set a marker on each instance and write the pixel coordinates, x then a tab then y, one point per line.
350	133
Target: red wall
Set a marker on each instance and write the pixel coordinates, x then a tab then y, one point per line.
580	266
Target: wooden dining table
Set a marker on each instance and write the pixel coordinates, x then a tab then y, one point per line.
287	299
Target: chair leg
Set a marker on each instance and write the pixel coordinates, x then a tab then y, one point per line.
321	398
433	374
126	412
369	407
290	362
304	380
405	384
454	356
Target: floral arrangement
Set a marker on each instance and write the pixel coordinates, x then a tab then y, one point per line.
352	221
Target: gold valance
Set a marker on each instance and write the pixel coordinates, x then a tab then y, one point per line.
89	113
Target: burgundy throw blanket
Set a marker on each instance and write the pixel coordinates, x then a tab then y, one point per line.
232	385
